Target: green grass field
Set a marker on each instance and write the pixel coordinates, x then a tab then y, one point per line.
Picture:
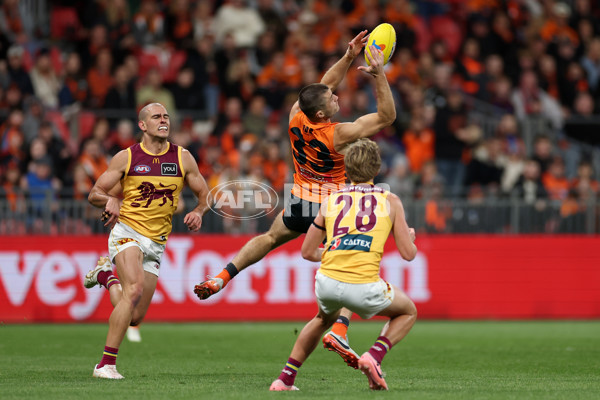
438	360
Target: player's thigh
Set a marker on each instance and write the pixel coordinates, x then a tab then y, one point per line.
150	281
401	305
129	264
280	232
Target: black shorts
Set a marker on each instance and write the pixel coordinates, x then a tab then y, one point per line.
298	214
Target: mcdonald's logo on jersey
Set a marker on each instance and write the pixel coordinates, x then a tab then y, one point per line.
155	160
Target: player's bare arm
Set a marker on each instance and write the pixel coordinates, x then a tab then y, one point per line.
403	235
368	125
196	182
103	193
334	76
314	237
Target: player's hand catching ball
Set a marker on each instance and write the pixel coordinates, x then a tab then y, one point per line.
376	61
356	45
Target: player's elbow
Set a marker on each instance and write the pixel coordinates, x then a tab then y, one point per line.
308	253
409	253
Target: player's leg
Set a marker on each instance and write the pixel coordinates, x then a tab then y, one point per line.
403	314
139	312
133	331
131	274
254	250
102	274
305	344
337	339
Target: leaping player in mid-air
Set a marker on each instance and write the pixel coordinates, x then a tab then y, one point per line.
318	151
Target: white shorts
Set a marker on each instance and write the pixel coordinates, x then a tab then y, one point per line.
123	236
365	299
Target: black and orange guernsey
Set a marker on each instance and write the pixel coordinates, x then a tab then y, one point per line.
151	187
319	169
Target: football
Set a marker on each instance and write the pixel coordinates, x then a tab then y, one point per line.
384	38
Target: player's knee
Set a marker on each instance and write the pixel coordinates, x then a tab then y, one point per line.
136	319
134	292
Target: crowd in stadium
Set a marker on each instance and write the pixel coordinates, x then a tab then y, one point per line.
73	74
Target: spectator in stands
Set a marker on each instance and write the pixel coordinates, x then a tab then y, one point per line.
556	27
241	21
10	178
469	66
42	188
591	64
555	181
255	118
75	86
16	70
585	175
149	24
572	215
530	189
57	150
34	115
486	167
232	113
12	140
44	80
274	167
122	137
203	20
530	100
399	178
100	78
93	159
154	91
419	142
449	127
543	152
178	22
186	91
121	96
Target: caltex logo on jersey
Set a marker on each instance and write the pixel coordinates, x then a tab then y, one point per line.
335	243
141	169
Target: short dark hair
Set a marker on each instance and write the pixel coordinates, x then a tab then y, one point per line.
310	99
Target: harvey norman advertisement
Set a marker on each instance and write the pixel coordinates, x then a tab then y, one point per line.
454	277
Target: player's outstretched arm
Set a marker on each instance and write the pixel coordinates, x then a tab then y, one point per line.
196	182
334	76
368	125
103	193
403	235
314	237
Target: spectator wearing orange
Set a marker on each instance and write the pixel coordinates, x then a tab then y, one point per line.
275	169
93	159
100	78
557	28
554	180
469	66
419	142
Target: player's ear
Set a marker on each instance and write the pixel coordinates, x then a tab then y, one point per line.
142	125
320	114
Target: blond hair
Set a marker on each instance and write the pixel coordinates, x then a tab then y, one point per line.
362	161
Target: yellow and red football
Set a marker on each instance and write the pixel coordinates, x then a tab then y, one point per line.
384	38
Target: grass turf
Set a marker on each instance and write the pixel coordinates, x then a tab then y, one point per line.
438	360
